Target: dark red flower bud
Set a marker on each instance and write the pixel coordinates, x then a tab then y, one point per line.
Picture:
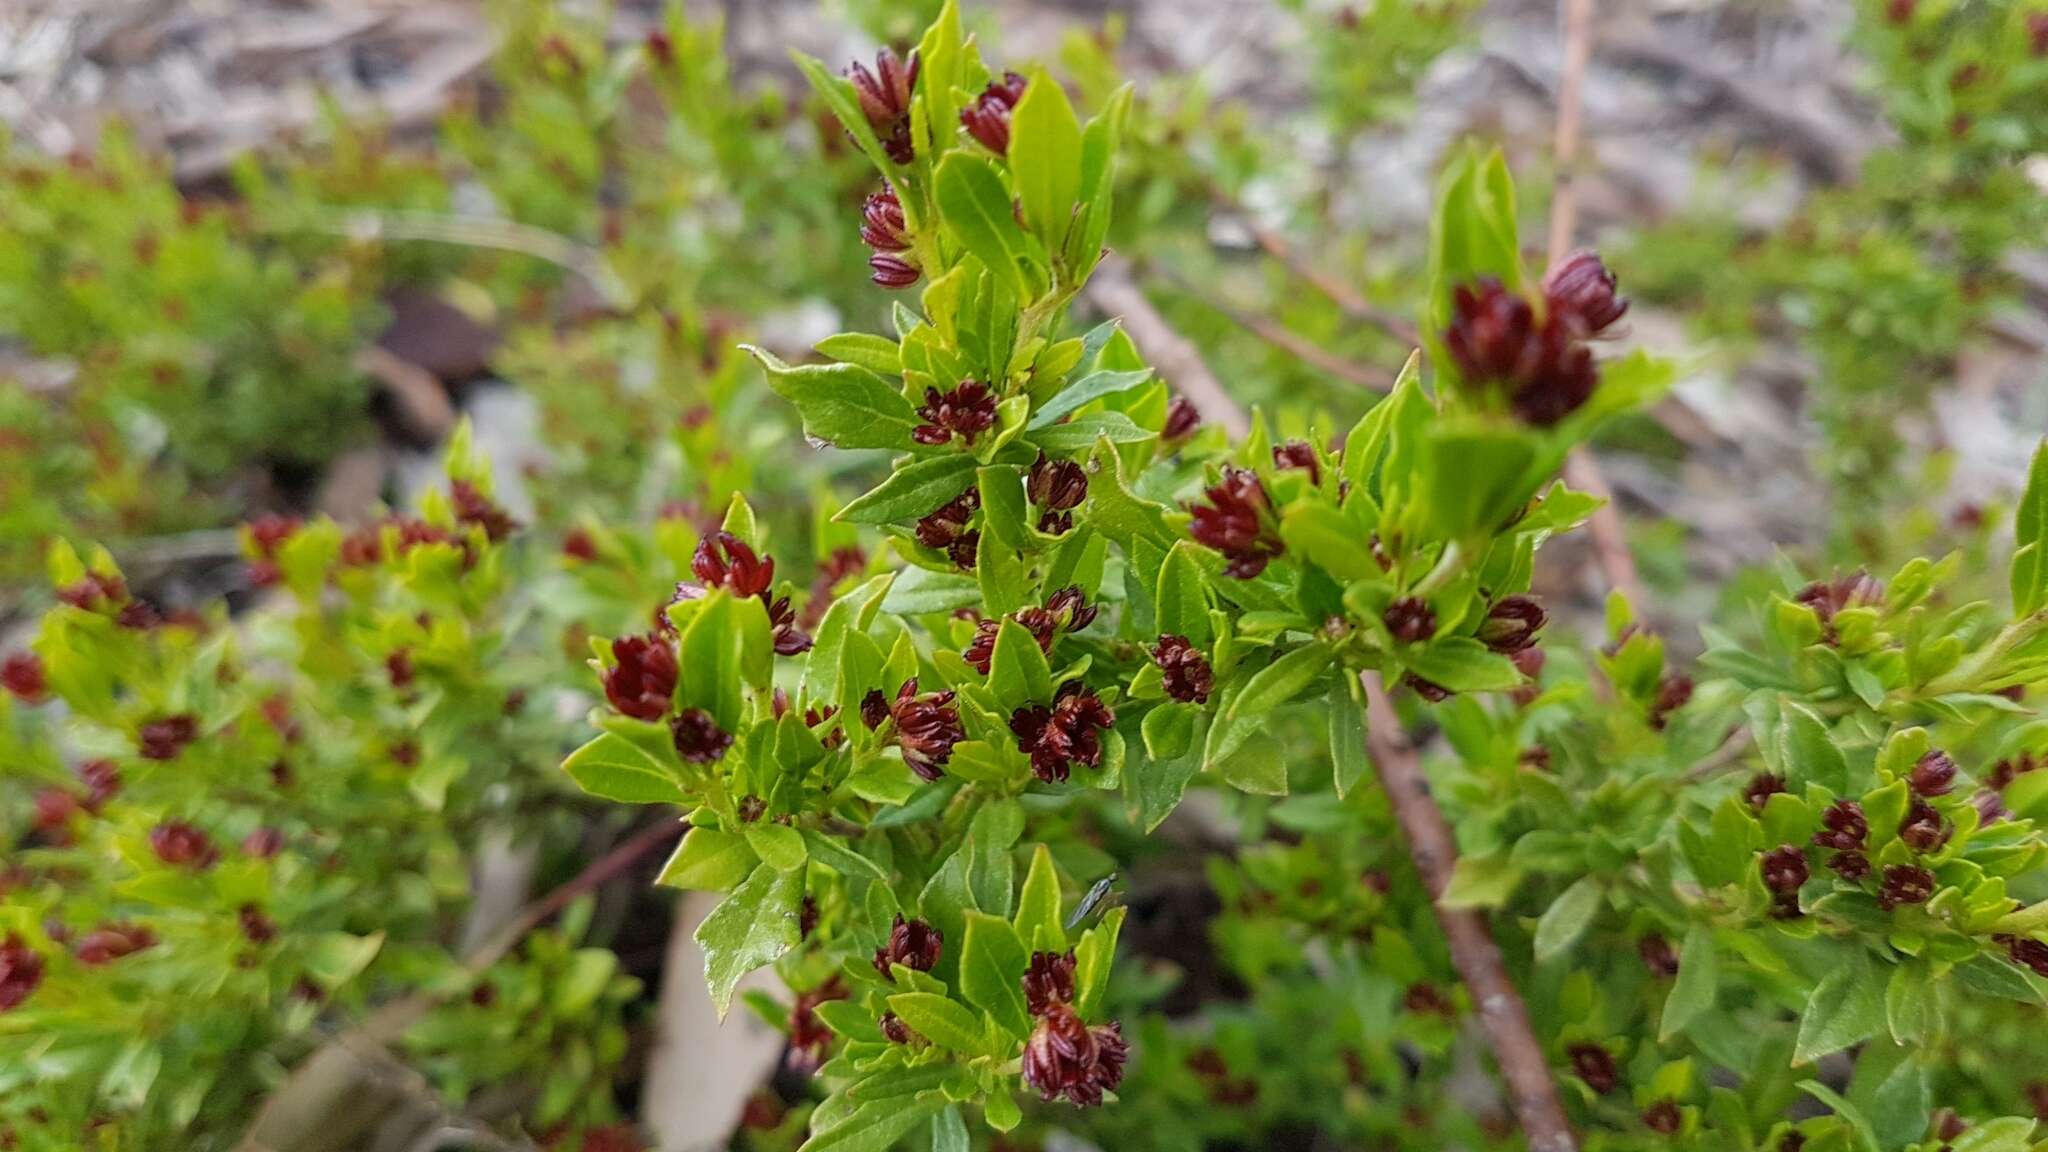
1070	610
1298	454
988	118
1946	1125
1429	690
1673	692
1511	624
2027	953
1850	865
263	843
95	593
1409	620
55	809
398	668
257	928
790	640
809	1038
927	727
1055	486
1761	788
111	941
750	809
884	96
1843	826
912	943
1663	1117
874	709
1784	869
1063	735
1580	293
724	560
889	270
137	616
1066	1058
697	736
1905	884
882	226
1495	339
1923	829
1658	956
1829	597
21	970
945	529
165	738
1238	522
642	680
22	676
1594	1064
1426	999
894	1030
1933	774
807	917
474	508
1048	980
1183	420
966	411
102	780
579	545
1183	669
2037	42
182	846
1900	11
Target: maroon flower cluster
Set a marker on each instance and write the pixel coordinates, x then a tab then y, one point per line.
1674	691
1542	365
697	736
966	411
1785	872
641	682
21	970
1056	488
183	846
1933	774
1065	1057
1511	624
912	943
723	560
1238	521
166	737
884	96
1829	597
111	941
1905	884
1409	620
1067	610
1183	420
945	529
1658	956
1066	734
988	118
474	508
1761	788
1845	830
1298	454
1594	1064
22	675
97	592
265	535
1183	669
2026	952
883	228
809	1038
927	727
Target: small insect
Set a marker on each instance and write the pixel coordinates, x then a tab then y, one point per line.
1096	895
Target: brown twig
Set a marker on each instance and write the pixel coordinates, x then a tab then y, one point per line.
1288	341
596	874
1180	364
1531	1091
1610	537
1344	296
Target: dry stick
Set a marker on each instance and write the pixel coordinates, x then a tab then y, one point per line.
1610	539
1290	342
1531	1091
1178	361
1345	297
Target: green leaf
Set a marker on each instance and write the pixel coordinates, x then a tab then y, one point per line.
1115	511
2030	539
2005	1134
1092	960
834	854
877	354
1182	604
778	845
1567	918
1018	672
1078	433
1480	882
976	209
943	1022
708	860
844	405
1808	752
335	958
614	768
1698	977
1003	514
1086	390
1908	1007
1045	158
1162	781
914	490
1476	477
1038	906
1890	1088
1847	1007
1463	664
875	1126
753	926
1282	680
1348	759
1853	1115
949	1132
917	591
992	962
1330	540
713	656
